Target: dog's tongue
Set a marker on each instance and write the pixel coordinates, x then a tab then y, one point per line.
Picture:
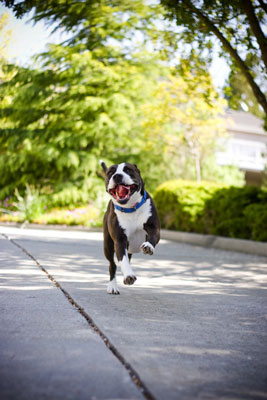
122	191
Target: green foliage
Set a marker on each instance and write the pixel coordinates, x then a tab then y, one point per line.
238	93
5	36
184	123
64	118
229	175
83	99
88	216
180	203
238	28
256	215
224	213
94	22
30	205
60	119
237	212
102	94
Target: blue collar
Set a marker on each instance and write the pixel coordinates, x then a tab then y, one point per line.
133	209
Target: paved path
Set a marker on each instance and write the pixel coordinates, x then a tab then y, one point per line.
194	325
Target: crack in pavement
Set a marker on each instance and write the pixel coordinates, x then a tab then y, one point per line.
132	373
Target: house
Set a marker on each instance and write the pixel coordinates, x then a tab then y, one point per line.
246	146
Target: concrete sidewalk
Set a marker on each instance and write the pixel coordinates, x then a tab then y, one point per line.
47	349
194	325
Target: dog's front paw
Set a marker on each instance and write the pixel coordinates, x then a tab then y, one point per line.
147	248
112	287
129	280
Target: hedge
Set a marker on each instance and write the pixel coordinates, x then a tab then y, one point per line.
237	212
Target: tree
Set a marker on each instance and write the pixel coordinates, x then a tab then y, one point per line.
184	122
238	27
92	21
90	98
63	117
5	37
84	99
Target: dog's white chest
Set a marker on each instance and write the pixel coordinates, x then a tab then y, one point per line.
133	225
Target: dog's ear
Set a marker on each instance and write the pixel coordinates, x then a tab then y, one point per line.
142	182
137	169
103	165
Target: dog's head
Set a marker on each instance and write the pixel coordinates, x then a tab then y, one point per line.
124	183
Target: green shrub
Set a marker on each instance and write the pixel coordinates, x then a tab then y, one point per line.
30	205
180	204
256	215
238	212
69	194
224	212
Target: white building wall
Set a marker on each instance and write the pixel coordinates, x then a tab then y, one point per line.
246	154
246	146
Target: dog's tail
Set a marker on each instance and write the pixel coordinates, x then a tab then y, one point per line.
103	165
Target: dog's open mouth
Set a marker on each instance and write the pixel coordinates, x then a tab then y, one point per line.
122	192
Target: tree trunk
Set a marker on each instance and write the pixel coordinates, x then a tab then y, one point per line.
256	28
198	169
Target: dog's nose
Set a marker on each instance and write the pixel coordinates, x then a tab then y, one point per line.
117	178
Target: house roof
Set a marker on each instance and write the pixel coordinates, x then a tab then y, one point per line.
244	122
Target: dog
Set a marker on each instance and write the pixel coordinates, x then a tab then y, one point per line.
131	223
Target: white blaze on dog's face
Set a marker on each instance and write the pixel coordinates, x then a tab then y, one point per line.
124	184
119	170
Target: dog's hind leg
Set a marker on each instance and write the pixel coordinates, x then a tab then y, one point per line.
109	253
112	285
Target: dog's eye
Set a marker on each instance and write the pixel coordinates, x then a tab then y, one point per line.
126	170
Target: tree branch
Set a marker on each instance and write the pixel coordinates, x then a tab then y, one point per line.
232	51
263	5
255	27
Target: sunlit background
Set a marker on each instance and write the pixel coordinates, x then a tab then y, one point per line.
184	114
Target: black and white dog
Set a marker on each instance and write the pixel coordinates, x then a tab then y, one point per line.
131	222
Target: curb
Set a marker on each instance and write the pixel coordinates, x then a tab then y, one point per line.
217	242
197	239
78	228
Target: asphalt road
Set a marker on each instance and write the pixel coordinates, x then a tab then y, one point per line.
193	326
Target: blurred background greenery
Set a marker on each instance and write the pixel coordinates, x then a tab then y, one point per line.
130	82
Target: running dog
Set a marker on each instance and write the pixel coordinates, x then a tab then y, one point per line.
131	222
